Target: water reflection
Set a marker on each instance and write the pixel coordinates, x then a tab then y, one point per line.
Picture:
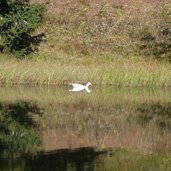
157	112
17	133
89	159
54	121
79	87
80	159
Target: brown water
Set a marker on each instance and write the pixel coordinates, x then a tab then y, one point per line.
50	128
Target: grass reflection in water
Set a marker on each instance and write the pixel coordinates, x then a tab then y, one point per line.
136	122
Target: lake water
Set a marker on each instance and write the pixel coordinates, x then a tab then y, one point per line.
52	129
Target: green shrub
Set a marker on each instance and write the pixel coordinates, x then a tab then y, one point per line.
18	20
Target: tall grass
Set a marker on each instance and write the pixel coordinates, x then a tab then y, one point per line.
121	72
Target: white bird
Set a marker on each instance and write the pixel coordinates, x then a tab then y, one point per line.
80	87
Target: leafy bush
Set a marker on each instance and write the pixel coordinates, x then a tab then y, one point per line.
18	20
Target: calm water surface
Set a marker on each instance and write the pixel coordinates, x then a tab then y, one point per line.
50	128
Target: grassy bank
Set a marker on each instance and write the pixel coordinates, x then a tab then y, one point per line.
121	72
104	42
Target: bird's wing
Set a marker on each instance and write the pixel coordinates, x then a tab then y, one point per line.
77	85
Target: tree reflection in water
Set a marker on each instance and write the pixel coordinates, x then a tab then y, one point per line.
18	132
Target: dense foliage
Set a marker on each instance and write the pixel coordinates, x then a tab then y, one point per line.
18	20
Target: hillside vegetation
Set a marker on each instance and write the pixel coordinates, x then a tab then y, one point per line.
107	42
109	29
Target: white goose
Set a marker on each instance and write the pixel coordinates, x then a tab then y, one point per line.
80	87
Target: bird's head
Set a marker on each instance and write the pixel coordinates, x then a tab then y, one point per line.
88	84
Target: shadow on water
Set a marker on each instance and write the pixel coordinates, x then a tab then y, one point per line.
62	160
88	159
78	160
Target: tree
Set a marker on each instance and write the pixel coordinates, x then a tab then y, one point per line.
18	21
